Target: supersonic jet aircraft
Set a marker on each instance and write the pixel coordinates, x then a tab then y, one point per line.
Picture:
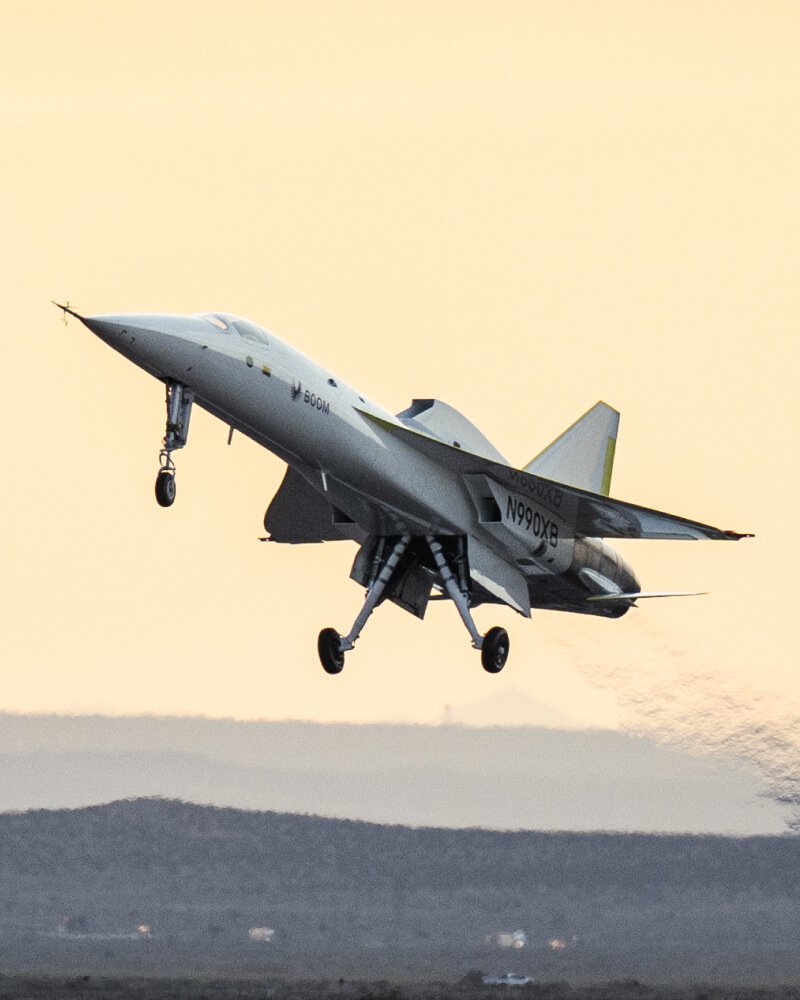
436	510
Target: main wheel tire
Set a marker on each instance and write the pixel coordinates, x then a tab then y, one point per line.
165	488
330	655
494	651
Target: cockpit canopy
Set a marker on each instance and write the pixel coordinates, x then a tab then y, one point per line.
234	324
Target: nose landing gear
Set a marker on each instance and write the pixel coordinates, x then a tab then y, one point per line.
165	484
179	410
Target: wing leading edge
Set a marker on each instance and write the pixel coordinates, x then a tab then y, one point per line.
591	515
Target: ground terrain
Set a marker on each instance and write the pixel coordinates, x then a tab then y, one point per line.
357	901
83	987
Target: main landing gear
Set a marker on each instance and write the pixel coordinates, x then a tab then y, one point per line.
179	410
494	646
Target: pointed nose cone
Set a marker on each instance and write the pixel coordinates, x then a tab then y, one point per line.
163	345
131	336
107	328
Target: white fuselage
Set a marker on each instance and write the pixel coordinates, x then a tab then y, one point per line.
266	389
299	411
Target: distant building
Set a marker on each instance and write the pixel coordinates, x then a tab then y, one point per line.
508	939
558	944
262	934
76	928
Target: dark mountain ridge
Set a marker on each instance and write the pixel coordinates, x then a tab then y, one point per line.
172	835
348	895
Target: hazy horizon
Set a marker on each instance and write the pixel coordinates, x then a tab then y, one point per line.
448	775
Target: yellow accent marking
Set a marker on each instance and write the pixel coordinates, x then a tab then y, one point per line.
266	370
571	426
611	446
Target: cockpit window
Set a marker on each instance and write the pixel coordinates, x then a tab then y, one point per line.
220	324
250	331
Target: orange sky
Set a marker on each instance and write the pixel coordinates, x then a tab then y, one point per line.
519	208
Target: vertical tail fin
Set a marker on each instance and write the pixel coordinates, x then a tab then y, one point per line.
583	455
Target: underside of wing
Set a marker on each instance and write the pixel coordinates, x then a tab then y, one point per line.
300	514
602	517
591	515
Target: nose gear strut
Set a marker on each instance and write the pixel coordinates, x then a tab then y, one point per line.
179	410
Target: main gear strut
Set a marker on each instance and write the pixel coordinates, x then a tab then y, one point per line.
494	645
331	646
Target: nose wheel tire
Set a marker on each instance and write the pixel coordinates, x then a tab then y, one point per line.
165	488
330	654
494	651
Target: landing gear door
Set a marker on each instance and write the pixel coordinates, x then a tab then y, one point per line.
409	586
362	564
